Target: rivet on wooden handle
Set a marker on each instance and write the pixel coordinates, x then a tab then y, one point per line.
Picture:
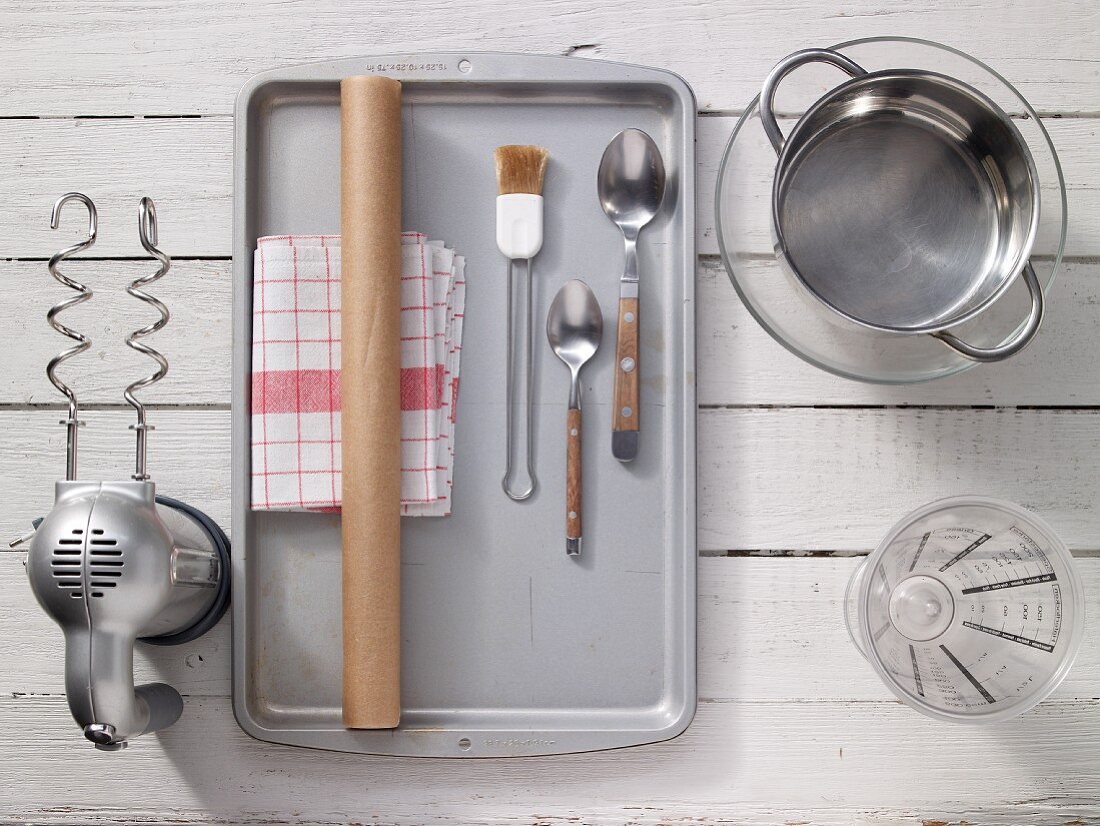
573	483
625	422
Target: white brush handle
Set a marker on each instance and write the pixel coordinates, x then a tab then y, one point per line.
519	225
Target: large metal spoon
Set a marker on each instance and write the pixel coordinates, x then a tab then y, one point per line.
574	327
631	186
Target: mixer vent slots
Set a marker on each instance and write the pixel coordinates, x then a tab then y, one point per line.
67	562
105	562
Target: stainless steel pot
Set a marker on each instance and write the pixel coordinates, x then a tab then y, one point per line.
905	201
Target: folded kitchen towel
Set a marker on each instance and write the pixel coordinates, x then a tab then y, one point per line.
296	372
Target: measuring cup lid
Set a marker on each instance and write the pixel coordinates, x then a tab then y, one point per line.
970	609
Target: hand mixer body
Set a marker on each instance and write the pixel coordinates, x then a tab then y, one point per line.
110	566
113	562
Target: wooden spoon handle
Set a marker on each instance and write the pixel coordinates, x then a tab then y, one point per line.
625	423
573	483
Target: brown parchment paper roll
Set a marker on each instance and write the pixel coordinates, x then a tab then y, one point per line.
370	385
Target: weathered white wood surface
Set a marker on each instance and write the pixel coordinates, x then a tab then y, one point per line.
763	484
761	620
792	726
166	57
786	762
780	687
739	363
185	164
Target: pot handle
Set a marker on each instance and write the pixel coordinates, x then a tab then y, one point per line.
785	67
1019	342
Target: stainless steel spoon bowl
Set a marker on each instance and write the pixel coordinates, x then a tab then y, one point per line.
631	186
631	180
574	328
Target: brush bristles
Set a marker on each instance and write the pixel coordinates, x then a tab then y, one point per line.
521	169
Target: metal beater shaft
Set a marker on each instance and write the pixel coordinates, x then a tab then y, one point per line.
72	423
147	232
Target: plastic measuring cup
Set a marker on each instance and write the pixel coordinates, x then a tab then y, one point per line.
970	610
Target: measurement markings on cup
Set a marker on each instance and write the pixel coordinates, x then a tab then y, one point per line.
1006	635
882	573
920	549
1011	583
916	668
977	543
966	673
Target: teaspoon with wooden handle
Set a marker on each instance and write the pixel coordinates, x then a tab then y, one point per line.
574	327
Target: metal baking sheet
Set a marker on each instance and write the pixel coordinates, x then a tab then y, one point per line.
509	647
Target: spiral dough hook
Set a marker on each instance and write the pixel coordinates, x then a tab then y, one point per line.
72	423
147	232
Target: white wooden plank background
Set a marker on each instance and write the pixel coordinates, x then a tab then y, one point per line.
112	159
799	472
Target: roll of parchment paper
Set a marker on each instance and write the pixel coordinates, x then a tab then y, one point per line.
370	386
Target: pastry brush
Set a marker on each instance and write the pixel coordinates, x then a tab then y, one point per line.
521	171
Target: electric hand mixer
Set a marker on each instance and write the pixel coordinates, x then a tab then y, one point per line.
113	562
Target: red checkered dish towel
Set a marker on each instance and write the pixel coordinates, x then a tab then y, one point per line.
296	372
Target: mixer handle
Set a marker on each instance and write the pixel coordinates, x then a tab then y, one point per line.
783	68
1019	341
102	696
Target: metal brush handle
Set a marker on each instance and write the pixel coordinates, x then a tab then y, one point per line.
147	232
72	423
515	487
